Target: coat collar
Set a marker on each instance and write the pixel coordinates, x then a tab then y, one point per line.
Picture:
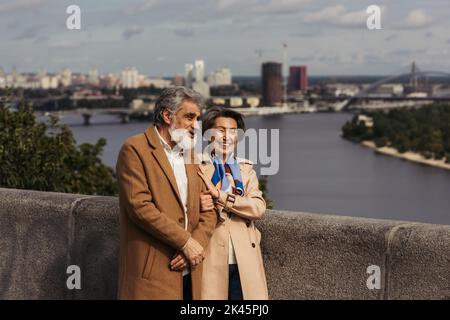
205	158
161	158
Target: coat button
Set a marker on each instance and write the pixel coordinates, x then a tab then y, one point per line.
181	220
253	244
248	224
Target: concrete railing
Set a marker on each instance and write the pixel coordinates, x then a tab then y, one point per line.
307	256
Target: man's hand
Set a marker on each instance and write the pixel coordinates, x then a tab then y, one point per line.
206	202
193	252
179	262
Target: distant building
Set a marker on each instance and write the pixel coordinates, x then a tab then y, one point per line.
220	77
130	78
178	80
298	78
158	83
272	83
199	70
49	82
139	104
202	88
188	74
93	76
365	120
109	80
66	77
342	89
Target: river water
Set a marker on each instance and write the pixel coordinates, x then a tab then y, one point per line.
319	171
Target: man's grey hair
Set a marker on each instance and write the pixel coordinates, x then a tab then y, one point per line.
172	98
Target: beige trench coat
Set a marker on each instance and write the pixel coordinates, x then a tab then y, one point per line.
238	223
152	221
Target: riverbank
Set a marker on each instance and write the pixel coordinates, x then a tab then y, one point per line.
409	156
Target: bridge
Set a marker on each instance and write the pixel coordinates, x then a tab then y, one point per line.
306	255
413	78
123	113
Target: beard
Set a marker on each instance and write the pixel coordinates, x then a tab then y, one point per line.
182	138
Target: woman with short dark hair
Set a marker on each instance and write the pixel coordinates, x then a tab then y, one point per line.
233	266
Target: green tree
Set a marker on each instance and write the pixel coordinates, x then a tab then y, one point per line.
44	156
263	188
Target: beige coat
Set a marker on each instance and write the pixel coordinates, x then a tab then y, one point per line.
238	222
152	221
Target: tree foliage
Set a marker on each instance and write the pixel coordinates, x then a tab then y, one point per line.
424	130
44	156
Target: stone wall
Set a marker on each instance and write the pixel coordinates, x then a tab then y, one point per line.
307	256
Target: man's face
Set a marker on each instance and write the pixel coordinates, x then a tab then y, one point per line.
183	124
186	117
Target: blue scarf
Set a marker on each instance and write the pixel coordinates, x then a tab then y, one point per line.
219	176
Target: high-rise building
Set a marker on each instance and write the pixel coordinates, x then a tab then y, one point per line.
272	83
130	78
298	78
93	76
66	77
188	70
199	70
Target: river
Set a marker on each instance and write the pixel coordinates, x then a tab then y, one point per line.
319	171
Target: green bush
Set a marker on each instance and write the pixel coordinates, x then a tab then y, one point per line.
44	156
423	130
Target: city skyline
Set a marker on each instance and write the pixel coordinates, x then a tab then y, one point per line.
160	37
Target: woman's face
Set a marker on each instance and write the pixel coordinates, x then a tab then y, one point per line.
225	136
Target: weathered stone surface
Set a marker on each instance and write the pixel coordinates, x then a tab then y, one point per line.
310	256
34	234
96	247
419	262
307	256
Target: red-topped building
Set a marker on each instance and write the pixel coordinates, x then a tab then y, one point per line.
298	78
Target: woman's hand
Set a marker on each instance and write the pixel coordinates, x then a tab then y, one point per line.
206	202
212	190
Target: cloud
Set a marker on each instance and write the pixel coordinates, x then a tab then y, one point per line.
29	33
130	32
408	52
338	15
417	19
19	5
303	58
280	6
258	6
63	44
391	37
141	7
184	32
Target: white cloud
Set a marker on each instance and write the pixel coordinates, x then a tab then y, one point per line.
338	15
418	19
259	6
130	32
18	5
64	44
141	7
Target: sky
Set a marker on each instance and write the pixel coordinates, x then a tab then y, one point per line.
160	36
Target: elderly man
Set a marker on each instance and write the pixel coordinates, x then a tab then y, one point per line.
163	234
